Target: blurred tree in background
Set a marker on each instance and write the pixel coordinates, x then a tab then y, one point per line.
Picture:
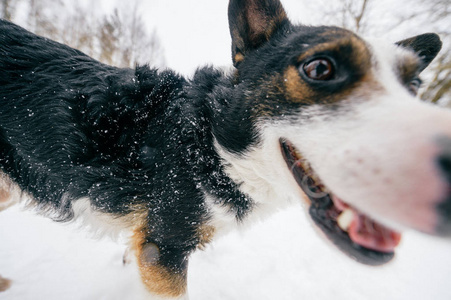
119	38
7	7
410	17
437	12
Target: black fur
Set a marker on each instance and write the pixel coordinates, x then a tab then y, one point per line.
143	139
426	45
72	127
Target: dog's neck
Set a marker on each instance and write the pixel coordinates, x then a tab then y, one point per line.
239	185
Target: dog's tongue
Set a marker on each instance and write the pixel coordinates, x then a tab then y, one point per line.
369	234
366	232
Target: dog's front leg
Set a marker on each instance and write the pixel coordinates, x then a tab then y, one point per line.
163	267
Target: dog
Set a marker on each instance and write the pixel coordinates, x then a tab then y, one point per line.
316	115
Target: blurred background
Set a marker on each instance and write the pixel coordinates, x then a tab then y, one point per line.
183	34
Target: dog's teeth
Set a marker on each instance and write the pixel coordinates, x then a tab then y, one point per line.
298	154
344	220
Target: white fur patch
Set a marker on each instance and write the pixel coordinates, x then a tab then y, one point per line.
376	152
101	224
84	215
222	219
263	175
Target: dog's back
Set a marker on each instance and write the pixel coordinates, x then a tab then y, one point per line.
126	147
64	115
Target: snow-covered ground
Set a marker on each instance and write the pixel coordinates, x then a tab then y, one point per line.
281	258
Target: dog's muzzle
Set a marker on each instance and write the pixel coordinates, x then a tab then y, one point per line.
354	233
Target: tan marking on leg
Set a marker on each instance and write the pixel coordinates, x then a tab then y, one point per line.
158	279
205	233
4	284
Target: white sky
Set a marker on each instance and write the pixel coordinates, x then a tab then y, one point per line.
195	32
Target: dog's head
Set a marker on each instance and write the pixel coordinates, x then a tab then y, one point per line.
322	113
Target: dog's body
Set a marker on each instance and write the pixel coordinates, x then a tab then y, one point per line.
177	161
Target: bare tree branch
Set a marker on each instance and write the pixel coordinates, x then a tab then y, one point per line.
358	18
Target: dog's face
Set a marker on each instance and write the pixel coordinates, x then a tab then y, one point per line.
334	120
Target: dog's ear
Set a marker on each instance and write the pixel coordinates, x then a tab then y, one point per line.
426	46
252	23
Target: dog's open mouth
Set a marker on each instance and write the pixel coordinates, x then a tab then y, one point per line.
353	232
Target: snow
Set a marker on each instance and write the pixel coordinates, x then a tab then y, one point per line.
281	258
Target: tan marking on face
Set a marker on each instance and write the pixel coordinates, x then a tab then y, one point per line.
239	57
158	279
360	52
297	90
270	89
205	234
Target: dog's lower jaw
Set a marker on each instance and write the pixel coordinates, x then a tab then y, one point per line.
261	171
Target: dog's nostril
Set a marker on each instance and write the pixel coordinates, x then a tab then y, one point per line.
444	165
444	158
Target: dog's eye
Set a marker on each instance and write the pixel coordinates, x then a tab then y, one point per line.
319	69
414	85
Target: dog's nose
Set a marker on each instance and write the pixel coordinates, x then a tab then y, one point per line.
444	157
444	165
